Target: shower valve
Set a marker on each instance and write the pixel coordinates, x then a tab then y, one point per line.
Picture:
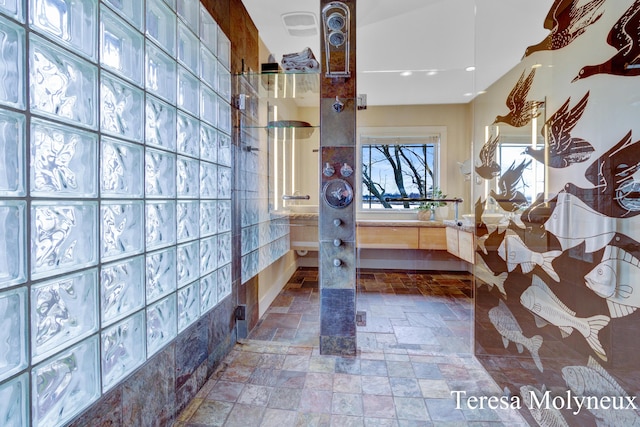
337	262
337	242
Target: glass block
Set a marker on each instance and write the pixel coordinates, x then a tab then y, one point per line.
208	292
160	77
14	402
122	289
159	173
188	223
64	237
189	11
188	135
13	264
15	10
161	25
224	49
14	332
224	216
224	182
224	282
188	92
224	149
208	68
122	229
160	224
161	324
188	263
123	349
64	161
122	169
208	217
161	273
208	180
121	111
188	305
66	384
208	255
224	248
12	55
73	23
224	116
132	11
160	124
62	85
63	311
208	106
12	154
188	48
224	83
208	30
208	143
187	178
121	47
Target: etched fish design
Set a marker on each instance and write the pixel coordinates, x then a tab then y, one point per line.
521	111
506	324
545	416
516	253
547	307
615	278
484	273
594	380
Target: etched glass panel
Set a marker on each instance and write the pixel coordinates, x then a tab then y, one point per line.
188	306
208	181
64	161
224	149
13	231
188	263
224	282
208	30
12	54
187	179
208	292
121	111
224	49
121	47
66	384
209	106
224	248
171	4
62	85
224	182
63	311
161	273
188	224
122	289
160	77
208	217
160	124
12	154
208	68
14	9
161	25
14	332
122	229
14	401
160	224
208	143
188	92
161	324
123	349
224	83
122	169
189	11
160	173
224	116
188	135
64	237
208	255
132	11
188	48
224	216
71	22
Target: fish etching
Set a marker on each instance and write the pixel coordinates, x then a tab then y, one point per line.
545	416
484	273
594	380
516	253
521	111
507	326
548	308
615	278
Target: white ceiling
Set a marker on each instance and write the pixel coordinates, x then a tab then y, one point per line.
446	36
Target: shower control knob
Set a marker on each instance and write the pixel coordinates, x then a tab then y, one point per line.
328	170
346	170
337	262
337	222
337	242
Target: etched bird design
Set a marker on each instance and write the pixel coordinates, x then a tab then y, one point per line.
510	198
521	111
624	36
613	175
488	168
563	150
565	22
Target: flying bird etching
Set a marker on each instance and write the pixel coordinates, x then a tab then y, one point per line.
616	192
521	111
488	168
565	22
563	149
624	36
510	198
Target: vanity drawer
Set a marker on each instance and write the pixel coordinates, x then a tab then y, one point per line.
433	238
388	237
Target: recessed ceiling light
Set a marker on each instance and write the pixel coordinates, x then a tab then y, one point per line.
406	73
468	94
536	66
471	68
481	92
432	73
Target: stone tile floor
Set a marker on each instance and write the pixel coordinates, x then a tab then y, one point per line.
413	352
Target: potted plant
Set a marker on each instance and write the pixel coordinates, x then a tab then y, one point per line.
429	210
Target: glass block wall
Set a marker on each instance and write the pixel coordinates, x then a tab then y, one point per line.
115	192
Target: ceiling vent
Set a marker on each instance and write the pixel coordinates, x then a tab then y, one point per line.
301	24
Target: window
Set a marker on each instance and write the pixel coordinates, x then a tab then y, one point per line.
511	155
